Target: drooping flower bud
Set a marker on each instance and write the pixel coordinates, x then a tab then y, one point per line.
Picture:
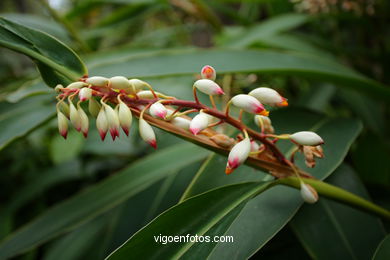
102	123
199	123
98	81
85	94
113	121
84	121
308	193
157	110
208	72
266	122
307	138
74	117
208	87
249	104
125	117
62	124
77	85
93	107
238	155
269	96
147	133
119	82
147	94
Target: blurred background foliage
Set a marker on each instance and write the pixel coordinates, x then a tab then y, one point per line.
331	58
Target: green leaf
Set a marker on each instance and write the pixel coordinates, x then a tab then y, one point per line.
267	28
19	119
194	216
74	244
188	62
56	62
271	211
330	230
383	250
62	150
101	197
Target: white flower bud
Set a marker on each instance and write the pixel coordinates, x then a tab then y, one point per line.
98	81
119	82
307	138
199	123
238	155
125	117
93	107
147	133
308	193
181	122
137	83
113	121
157	110
84	121
269	96
208	72
74	117
62	124
147	94
77	85
208	87
249	104
102	123
85	94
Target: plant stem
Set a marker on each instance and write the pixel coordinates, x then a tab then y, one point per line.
338	194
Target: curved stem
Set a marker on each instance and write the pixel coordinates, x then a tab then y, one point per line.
337	194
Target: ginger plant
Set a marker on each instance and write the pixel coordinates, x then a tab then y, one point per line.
113	101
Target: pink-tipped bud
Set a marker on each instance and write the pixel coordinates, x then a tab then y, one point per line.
98	81
62	124
74	117
113	121
77	85
102	123
125	117
238	155
249	104
269	96
147	133
199	123
85	94
307	138
157	110
208	72
308	193
119	82
84	121
208	87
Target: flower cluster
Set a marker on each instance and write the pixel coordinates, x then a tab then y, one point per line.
113	101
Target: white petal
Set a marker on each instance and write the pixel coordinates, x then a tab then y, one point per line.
307	138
